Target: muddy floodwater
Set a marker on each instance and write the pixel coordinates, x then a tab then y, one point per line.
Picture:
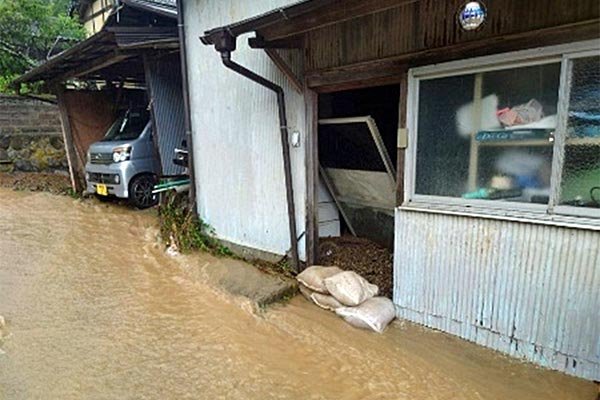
94	309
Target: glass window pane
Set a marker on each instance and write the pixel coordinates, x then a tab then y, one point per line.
580	184
488	135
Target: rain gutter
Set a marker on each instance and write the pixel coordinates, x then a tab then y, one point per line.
225	43
186	104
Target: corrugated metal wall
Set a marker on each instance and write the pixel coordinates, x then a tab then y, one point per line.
165	87
237	147
531	291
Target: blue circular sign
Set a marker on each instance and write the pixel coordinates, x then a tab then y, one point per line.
472	15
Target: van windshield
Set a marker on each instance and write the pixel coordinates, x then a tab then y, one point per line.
128	126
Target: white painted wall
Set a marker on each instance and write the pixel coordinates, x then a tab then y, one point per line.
237	148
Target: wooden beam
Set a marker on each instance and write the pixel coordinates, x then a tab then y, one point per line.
383	70
331	13
285	69
75	168
312	176
107	60
357	76
296	42
401	150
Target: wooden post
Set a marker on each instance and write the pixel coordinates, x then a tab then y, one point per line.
75	167
312	176
474	152
401	145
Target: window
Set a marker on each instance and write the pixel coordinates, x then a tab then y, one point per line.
496	134
580	181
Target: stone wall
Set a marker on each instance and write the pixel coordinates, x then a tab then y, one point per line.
30	136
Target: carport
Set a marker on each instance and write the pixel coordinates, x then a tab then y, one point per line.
110	70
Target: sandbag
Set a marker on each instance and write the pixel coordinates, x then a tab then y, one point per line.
349	288
325	301
313	277
375	313
306	292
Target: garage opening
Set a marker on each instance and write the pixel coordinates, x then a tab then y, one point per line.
357	180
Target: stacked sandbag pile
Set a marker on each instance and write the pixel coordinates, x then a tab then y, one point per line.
348	294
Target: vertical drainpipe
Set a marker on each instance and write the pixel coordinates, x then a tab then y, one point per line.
225	43
186	103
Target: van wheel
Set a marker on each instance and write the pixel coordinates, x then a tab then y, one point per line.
140	192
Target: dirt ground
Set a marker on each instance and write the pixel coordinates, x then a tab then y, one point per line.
368	259
36	182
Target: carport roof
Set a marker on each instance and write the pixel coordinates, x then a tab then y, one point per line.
110	46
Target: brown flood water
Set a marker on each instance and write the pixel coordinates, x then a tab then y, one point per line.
96	310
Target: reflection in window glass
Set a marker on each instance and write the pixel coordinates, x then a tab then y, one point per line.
488	135
580	184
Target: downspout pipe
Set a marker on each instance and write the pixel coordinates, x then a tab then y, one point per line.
287	163
225	44
187	123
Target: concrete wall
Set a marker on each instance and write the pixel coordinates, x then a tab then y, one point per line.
30	136
527	290
237	148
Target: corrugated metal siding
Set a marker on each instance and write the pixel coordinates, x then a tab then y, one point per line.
531	291
164	81
428	24
237	147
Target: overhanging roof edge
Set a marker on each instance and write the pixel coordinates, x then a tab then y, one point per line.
56	60
114	39
260	21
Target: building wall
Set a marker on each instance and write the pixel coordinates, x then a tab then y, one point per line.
419	26
527	290
96	14
30	136
237	147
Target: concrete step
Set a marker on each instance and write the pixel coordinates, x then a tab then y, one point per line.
241	279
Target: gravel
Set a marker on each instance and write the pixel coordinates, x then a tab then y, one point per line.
36	182
368	259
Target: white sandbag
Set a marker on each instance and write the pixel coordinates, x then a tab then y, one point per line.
375	313
349	288
325	301
306	292
313	277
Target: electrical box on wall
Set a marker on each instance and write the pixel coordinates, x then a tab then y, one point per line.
402	138
295	140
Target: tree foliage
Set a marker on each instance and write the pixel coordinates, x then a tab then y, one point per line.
28	30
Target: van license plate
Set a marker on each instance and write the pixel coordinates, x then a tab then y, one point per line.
102	190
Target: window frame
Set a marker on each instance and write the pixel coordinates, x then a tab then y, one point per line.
550	213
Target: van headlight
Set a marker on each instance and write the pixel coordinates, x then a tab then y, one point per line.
88	156
121	154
